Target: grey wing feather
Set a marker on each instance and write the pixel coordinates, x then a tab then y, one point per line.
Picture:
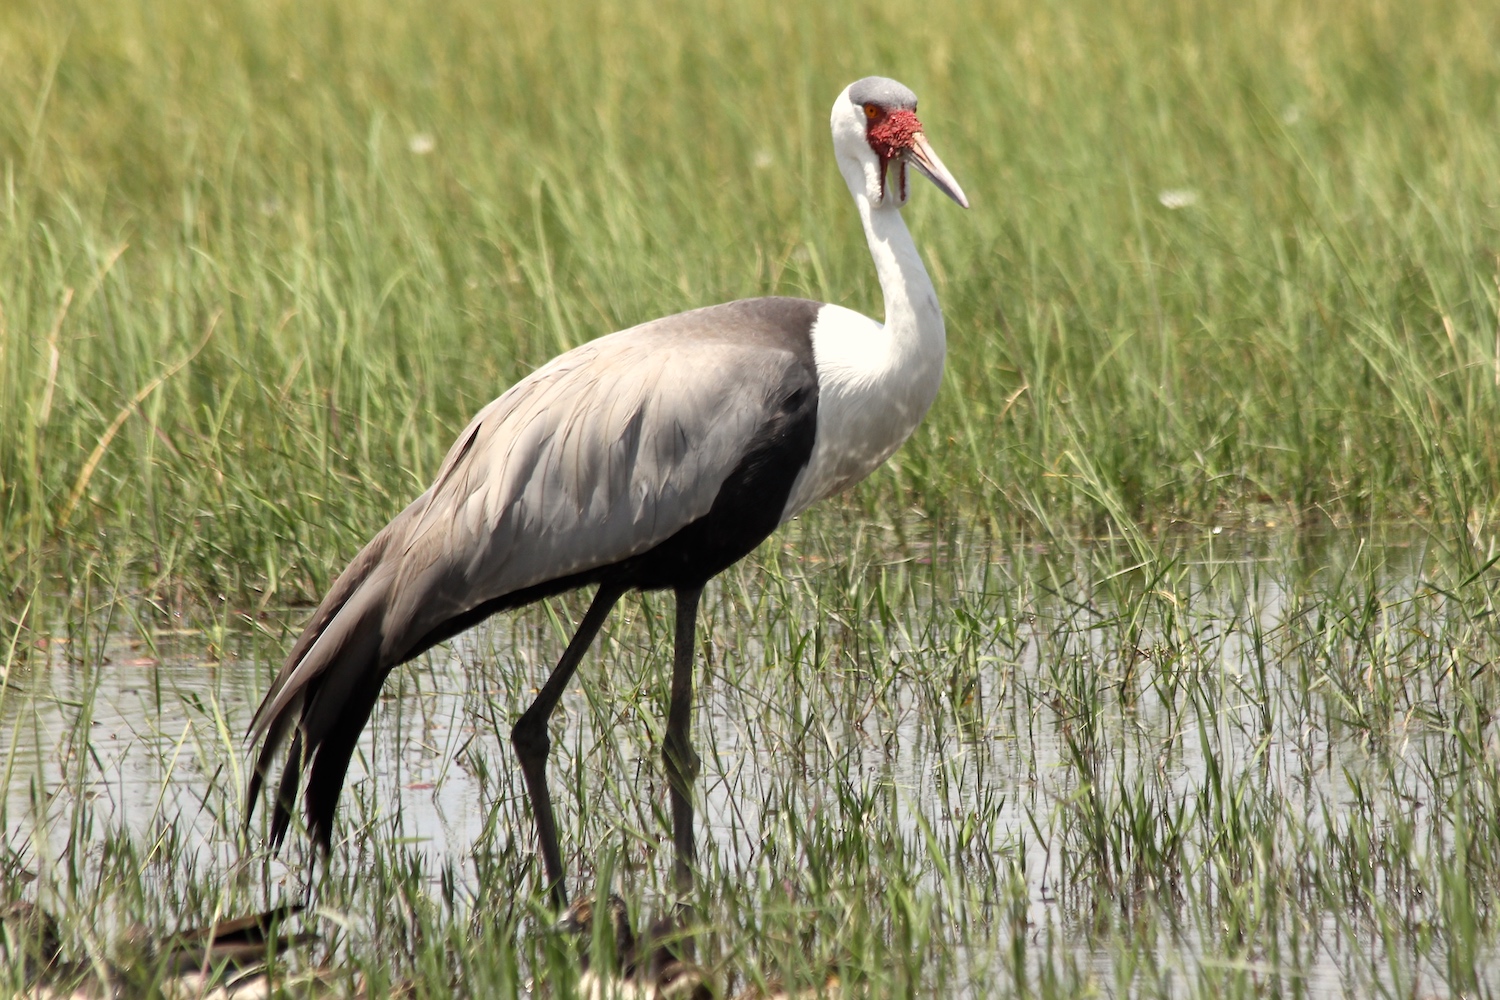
600	455
565	478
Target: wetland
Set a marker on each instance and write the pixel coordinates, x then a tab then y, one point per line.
1159	662
1258	761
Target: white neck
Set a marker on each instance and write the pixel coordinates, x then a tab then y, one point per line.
875	382
911	305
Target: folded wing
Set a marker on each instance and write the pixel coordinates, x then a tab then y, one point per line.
600	455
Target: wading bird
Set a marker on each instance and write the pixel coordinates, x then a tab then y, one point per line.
649	459
654	966
650	967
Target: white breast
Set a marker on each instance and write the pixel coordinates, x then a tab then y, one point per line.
873	390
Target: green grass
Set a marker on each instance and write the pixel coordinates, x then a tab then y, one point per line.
259	261
1316	333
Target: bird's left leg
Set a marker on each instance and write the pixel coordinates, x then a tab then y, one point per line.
677	752
532	742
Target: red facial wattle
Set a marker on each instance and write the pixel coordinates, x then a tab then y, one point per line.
889	135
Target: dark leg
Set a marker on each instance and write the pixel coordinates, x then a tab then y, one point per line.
532	742
677	753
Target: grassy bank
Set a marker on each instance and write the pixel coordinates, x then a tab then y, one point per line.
259	260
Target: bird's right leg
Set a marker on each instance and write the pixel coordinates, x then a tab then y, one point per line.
532	742
677	750
681	761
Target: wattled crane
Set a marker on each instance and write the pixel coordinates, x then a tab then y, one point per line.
648	459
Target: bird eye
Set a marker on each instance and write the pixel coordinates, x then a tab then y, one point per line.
872	111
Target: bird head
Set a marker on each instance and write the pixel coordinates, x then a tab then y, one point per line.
876	136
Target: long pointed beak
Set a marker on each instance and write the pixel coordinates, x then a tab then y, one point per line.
924	159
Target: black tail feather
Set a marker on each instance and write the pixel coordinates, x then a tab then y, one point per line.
286	793
330	761
332	657
275	736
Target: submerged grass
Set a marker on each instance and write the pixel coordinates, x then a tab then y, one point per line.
260	259
1263	766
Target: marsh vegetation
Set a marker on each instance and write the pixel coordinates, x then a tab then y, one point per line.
1161	661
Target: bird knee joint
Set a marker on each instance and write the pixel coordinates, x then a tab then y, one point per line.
530	741
681	761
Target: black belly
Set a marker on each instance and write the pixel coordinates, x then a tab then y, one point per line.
746	511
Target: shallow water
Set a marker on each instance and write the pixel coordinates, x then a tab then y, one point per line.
1135	741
